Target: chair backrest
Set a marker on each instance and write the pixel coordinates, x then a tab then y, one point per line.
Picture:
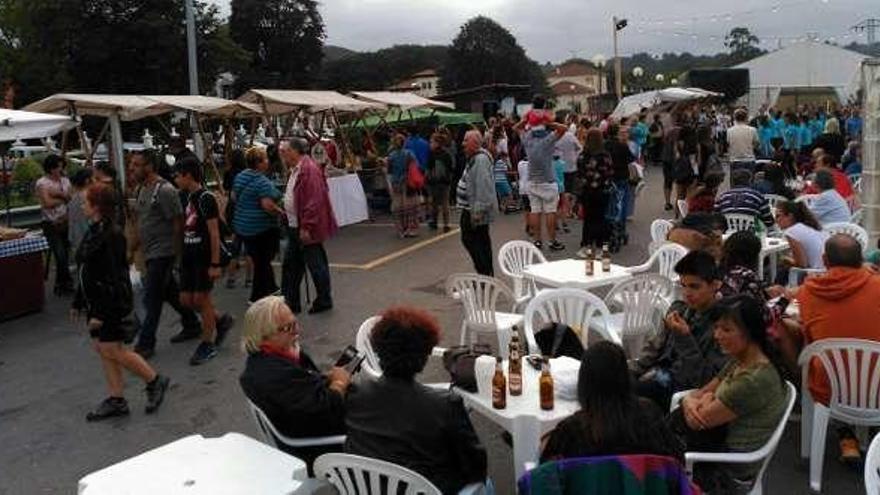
853	230
737	222
263	424
513	258
573	307
271	436
766	452
797	275
857	216
479	295
642	300
370	365
660	230
775	200
357	475
665	257
807	199
682	207
872	467
853	370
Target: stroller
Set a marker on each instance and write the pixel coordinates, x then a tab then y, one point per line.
615	215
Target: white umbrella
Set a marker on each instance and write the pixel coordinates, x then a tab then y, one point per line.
17	124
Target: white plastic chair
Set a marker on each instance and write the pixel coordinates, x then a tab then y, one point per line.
513	258
796	275
665	257
850	229
853	370
682	207
872	467
357	475
856	180
272	437
479	297
737	222
762	455
807	199
576	308
370	365
775	200
857	216
642	302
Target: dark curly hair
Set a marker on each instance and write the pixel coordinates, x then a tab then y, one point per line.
403	339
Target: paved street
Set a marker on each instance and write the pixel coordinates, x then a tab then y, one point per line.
50	377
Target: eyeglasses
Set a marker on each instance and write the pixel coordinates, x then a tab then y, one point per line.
292	327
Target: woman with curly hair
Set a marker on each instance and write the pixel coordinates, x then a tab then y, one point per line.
399	420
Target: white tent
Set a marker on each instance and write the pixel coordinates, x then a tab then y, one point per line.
403	101
126	107
633	104
16	124
802	66
281	101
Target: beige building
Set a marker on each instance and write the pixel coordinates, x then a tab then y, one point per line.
573	82
423	83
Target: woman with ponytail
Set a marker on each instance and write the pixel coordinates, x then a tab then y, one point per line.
740	408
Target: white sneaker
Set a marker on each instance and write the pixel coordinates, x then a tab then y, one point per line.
582	253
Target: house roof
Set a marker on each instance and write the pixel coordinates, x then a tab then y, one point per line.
573	68
406	84
570	88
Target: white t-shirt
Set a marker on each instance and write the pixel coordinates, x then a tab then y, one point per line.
568	148
742	139
62	186
812	243
522	169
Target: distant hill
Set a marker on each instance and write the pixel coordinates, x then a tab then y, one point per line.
370	71
333	53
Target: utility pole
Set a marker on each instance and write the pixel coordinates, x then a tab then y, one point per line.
870	26
191	47
617	25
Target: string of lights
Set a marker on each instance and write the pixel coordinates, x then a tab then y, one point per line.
684	20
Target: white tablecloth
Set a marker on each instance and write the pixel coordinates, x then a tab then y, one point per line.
572	273
229	465
348	199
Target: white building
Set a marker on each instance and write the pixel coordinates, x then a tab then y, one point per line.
573	82
423	83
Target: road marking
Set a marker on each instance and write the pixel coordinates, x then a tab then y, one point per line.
397	254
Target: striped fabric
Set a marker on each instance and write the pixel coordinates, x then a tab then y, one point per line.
249	188
461	192
745	201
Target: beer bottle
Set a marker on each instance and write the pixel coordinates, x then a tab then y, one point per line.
514	365
499	386
606	258
546	386
588	263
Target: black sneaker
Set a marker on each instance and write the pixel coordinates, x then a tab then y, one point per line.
556	246
224	324
204	353
186	334
111	407
156	392
320	308
667	207
145	352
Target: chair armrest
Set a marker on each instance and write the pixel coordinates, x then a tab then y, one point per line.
438	351
677	398
639	268
691	458
314	442
473	489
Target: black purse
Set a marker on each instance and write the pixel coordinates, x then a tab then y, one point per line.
460	361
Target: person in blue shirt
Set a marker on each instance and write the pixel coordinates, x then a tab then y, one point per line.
778	124
854	126
806	136
638	135
502	184
419	147
790	133
852	159
816	127
765	136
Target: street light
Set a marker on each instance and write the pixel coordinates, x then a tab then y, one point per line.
674	81
659	78
600	61
618	25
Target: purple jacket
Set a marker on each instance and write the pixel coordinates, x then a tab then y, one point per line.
314	213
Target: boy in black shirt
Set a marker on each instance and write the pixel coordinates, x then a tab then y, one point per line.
200	263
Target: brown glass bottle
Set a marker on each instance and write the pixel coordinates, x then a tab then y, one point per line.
546	386
606	259
499	386
514	365
588	263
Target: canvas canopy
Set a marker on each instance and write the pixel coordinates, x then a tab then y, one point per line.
404	101
127	107
281	101
17	124
633	104
801	66
400	116
207	105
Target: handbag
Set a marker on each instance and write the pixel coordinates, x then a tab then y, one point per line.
415	179
460	361
557	339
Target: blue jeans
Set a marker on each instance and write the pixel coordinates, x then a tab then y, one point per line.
297	258
161	287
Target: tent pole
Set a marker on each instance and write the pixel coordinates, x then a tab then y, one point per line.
97	141
116	140
209	154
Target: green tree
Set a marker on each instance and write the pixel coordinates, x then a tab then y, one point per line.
483	53
742	44
285	39
380	69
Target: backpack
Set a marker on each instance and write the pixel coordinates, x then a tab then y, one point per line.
224	231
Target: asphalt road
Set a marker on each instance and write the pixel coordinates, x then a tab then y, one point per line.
50	377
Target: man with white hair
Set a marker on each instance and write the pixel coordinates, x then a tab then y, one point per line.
475	196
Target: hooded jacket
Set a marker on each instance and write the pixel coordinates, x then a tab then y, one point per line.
843	303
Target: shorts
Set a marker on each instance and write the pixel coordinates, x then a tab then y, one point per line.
194	274
570	179
109	332
503	189
543	197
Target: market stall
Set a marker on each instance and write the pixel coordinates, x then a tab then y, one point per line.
651	100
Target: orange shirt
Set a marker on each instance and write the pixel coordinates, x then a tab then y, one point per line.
843	303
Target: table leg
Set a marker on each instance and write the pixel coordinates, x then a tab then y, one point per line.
773	261
526	443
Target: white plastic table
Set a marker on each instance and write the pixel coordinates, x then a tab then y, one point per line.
572	273
229	465
523	417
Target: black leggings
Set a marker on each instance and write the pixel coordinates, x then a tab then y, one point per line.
262	249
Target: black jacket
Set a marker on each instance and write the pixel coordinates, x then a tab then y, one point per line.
103	285
423	429
295	398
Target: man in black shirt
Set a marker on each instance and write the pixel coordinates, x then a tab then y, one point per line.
200	264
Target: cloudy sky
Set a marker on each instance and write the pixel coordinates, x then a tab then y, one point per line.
558	29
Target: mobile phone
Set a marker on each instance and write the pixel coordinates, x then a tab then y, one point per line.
350	359
535	361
